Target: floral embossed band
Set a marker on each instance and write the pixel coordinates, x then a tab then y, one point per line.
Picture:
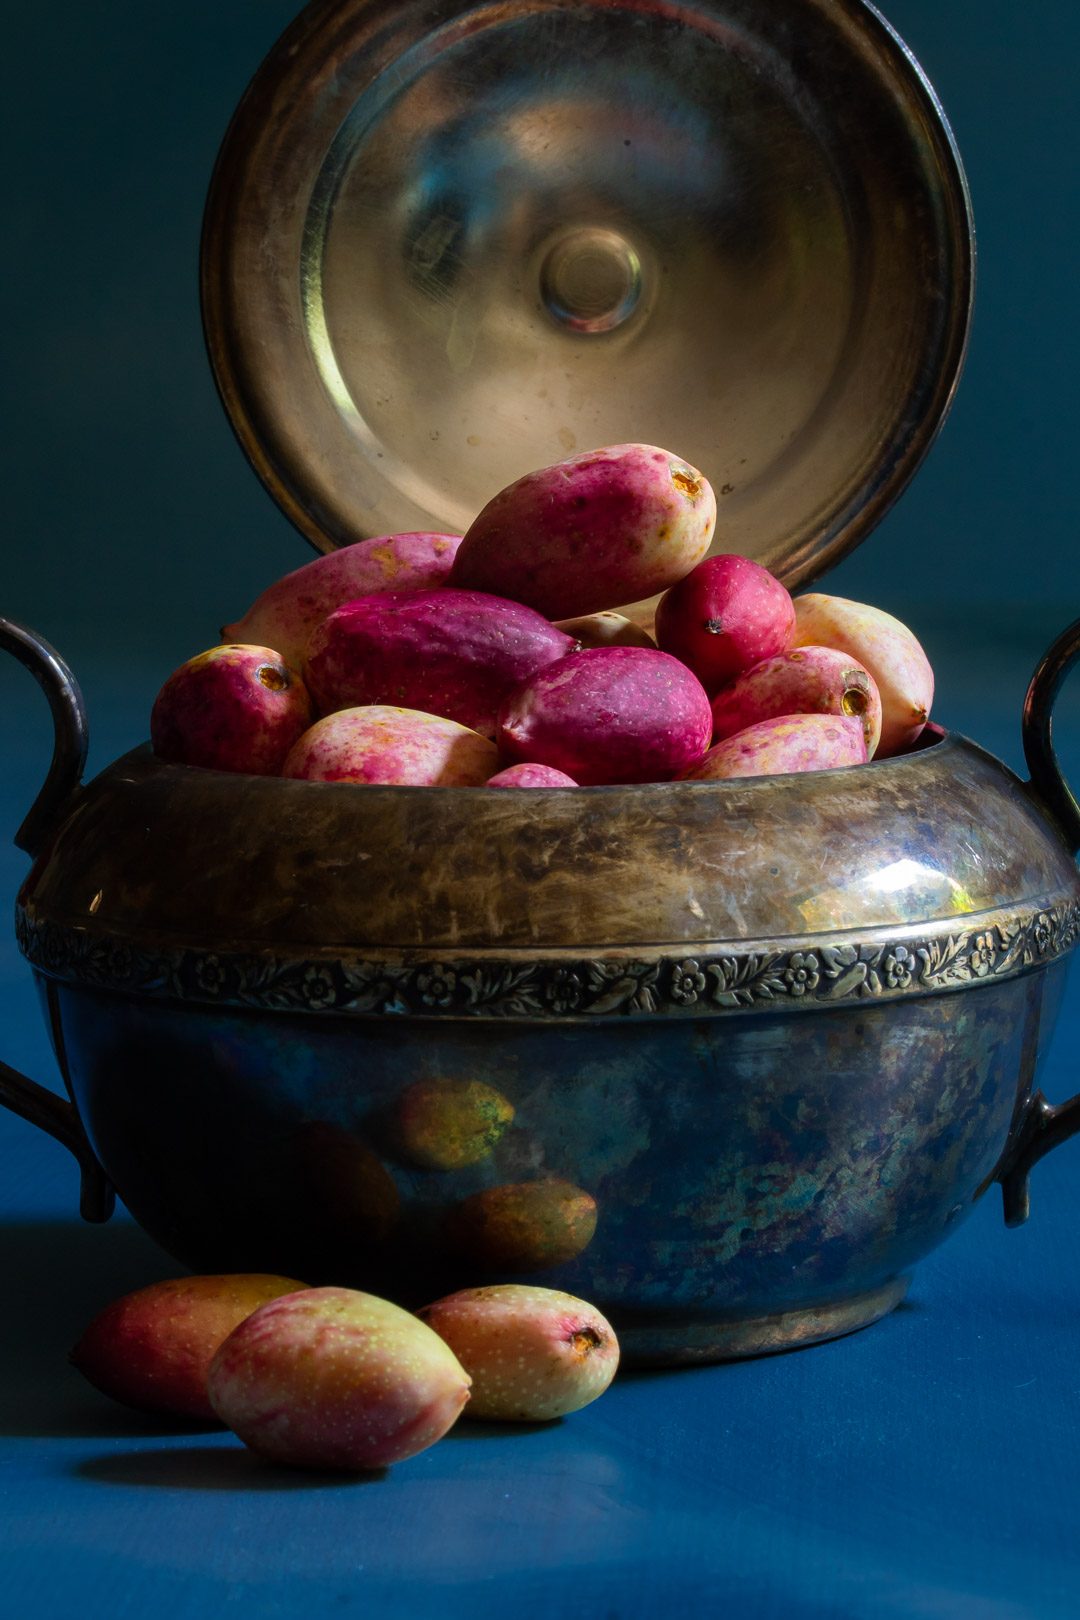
725	978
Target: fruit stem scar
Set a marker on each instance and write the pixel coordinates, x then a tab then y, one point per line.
715	627
854	701
585	1341
686	481
275	679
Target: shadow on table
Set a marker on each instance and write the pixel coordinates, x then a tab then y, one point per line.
228	1467
56	1275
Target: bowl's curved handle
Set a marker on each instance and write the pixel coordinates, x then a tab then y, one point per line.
70	731
1043	1126
1046	776
70	738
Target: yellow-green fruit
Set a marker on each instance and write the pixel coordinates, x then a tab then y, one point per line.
884	646
532	1353
447	1124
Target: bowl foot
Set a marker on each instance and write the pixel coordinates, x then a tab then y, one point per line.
683	1344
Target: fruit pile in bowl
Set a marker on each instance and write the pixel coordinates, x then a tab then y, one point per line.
498	657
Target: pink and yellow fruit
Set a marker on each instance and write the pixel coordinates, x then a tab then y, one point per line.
379	744
806	680
336	1379
451	652
602	528
231	708
609	714
884	646
287	612
152	1349
799	742
532	1353
724	617
607	629
531	776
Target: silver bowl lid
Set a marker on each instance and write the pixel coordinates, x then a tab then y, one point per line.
449	243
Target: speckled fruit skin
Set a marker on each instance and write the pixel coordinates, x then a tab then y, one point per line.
446	1124
231	708
332	1378
609	714
152	1349
377	743
449	652
602	528
806	680
606	630
798	742
287	612
531	776
532	1353
887	648
724	617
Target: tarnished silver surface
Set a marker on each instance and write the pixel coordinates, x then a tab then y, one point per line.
448	243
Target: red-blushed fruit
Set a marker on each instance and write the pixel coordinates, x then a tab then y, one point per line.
725	616
530	776
286	613
532	1353
806	680
608	714
449	652
231	708
152	1349
887	648
599	529
333	1378
378	744
797	742
606	630
523	1226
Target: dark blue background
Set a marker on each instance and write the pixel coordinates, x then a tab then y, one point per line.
926	1468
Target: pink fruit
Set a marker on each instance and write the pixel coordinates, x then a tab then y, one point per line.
806	680
153	1349
605	527
725	616
606	630
331	1378
233	708
379	744
449	652
609	714
530	776
288	611
798	742
886	648
532	1353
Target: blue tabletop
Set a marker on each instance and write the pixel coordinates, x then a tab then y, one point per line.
924	1467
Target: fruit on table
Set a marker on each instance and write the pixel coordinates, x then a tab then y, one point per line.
332	1378
799	742
602	528
380	744
806	680
450	652
286	613
231	708
609	714
887	648
532	1353
726	615
152	1349
606	630
525	1225
530	776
